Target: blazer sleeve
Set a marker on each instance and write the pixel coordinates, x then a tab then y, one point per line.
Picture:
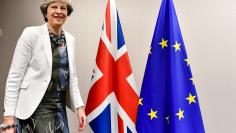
18	67
77	99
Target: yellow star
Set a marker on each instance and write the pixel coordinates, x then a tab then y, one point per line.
191	80
152	114
188	62
140	101
191	99
180	114
163	43
177	46
150	50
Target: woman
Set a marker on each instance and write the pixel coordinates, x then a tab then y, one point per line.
42	79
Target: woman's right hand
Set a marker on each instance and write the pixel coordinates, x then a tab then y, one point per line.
8	120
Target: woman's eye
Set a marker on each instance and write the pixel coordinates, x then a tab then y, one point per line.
54	7
63	8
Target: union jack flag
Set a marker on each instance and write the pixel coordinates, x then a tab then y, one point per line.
113	99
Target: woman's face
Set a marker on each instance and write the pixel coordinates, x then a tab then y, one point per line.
57	13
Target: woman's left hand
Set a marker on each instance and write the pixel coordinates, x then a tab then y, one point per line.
82	118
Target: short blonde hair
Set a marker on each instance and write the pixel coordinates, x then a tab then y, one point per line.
46	3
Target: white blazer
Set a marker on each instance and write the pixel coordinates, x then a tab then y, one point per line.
31	70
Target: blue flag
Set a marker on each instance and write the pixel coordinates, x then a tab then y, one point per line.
168	101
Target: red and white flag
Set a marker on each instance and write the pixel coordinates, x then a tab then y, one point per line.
113	99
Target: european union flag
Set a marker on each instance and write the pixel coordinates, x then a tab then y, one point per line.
168	101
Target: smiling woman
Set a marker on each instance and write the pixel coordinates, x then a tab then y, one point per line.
55	13
42	80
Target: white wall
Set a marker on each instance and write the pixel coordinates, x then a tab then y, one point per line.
208	28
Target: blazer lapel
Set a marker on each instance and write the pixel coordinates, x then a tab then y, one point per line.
47	44
69	51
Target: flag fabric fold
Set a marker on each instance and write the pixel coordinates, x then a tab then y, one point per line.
168	101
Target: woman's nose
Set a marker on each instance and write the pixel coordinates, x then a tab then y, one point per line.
58	10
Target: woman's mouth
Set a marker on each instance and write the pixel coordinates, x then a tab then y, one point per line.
59	17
